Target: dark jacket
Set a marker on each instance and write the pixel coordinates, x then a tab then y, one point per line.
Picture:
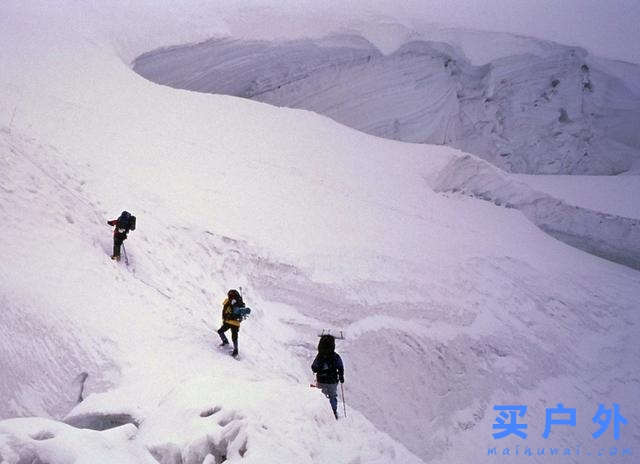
116	232
328	368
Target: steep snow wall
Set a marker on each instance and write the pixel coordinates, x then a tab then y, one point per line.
551	111
40	195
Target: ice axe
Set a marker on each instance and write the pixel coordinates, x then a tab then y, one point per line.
126	260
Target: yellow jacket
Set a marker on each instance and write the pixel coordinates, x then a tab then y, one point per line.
227	314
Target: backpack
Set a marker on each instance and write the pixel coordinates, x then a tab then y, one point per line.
127	221
240	312
327	344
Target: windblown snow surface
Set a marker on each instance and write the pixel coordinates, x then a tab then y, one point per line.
450	304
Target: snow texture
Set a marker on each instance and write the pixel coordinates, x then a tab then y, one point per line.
449	304
40	441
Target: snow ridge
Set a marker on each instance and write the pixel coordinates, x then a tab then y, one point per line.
609	236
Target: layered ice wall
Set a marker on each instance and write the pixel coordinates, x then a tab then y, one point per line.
552	111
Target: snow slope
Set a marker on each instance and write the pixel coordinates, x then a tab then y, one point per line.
144	335
548	109
449	304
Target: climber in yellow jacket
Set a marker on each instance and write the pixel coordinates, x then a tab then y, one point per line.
230	320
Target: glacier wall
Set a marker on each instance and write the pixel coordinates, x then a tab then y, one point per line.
555	110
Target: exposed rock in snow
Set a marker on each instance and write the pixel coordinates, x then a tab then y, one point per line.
553	112
101	421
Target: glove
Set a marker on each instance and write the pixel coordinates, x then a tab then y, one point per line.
341	379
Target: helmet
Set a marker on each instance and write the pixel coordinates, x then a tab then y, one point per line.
233	294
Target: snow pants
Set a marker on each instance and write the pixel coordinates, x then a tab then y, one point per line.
234	334
117	243
330	390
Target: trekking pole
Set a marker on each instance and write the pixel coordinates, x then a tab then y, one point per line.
124	250
343	403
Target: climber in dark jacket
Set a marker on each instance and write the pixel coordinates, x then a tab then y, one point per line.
329	370
123	225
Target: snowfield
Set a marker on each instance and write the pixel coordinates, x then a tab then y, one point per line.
450	304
